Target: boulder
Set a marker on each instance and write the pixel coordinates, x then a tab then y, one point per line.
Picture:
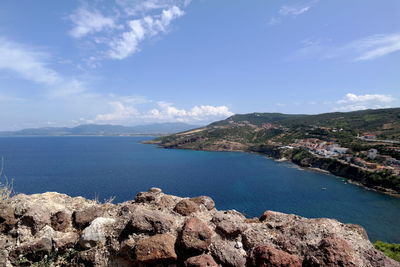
7	218
229	225
201	261
82	218
156	249
36	217
195	236
207	202
147	197
268	256
186	207
148	221
96	232
228	253
332	251
60	221
65	241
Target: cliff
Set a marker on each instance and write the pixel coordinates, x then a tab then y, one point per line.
156	229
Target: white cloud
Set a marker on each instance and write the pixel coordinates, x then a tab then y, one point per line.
26	62
126	113
140	29
121	112
168	112
352	102
353	98
87	22
117	33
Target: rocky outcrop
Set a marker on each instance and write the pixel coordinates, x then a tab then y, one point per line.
156	229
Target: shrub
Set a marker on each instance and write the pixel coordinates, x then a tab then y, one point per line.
390	250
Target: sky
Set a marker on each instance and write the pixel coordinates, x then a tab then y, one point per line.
130	62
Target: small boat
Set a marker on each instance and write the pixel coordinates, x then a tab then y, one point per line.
323	188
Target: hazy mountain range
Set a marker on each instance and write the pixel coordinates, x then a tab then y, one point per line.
106	129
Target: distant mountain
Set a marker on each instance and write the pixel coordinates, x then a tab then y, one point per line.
104	129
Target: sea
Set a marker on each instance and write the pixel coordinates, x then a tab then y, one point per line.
107	167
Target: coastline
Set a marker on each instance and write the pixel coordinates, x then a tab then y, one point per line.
378	189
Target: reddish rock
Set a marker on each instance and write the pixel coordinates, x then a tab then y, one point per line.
268	256
195	236
377	258
156	249
7	218
207	202
201	261
332	251
84	217
148	221
60	221
147	197
68	240
186	207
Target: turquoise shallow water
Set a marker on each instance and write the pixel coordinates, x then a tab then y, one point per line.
121	167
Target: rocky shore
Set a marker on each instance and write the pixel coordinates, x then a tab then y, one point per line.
156	229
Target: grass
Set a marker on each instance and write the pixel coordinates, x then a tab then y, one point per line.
390	250
5	185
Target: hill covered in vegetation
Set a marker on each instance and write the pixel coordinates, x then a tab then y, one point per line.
363	146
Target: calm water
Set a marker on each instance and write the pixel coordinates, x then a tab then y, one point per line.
121	167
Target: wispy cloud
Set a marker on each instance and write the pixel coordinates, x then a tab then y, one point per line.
351	102
32	64
89	21
118	33
365	49
292	11
376	46
26	62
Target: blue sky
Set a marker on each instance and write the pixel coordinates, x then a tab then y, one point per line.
129	62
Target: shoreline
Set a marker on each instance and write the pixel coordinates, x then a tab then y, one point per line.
348	180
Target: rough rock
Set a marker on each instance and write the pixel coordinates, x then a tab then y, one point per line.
84	217
149	232
65	241
156	249
60	221
195	236
7	218
148	221
229	224
268	256
96	232
201	261
207	202
228	253
186	207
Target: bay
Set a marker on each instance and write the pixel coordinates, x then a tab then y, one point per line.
120	167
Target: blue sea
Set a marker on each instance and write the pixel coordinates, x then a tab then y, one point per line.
104	167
